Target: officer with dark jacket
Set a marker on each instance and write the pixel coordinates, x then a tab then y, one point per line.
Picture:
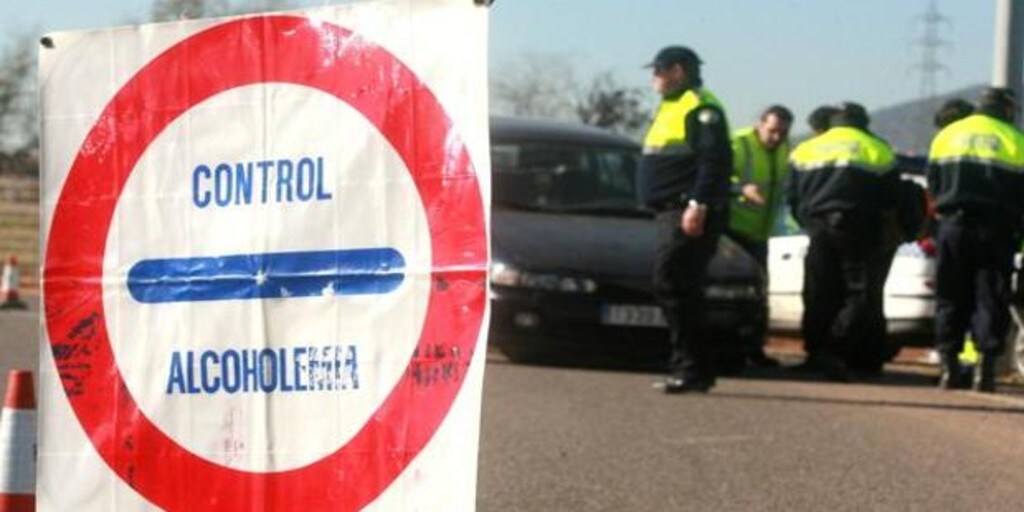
820	119
976	175
842	185
684	176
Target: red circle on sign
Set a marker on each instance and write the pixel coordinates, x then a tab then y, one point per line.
272	49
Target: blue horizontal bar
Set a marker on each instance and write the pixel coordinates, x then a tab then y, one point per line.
267	276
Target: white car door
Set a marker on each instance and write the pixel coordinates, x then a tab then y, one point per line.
909	290
786	280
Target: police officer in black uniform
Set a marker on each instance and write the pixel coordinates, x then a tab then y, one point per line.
976	175
684	176
820	119
842	184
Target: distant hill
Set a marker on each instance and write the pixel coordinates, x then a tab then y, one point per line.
908	126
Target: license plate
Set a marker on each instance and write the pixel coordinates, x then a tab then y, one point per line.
633	316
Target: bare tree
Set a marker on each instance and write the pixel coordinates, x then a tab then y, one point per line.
610	105
19	134
169	10
261	6
536	85
544	85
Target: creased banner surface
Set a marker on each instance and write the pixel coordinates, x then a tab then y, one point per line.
265	263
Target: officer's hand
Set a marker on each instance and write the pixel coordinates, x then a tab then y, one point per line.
692	222
753	194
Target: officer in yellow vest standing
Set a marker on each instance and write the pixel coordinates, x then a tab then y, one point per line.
684	176
759	170
976	175
842	184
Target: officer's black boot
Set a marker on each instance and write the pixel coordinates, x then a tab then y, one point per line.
985	374
675	385
950	376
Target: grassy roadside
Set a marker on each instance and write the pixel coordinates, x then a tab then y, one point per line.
19	226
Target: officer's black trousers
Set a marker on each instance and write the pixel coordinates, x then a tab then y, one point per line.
680	271
844	278
973	274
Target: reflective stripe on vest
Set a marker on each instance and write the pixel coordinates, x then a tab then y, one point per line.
667	134
843	147
979	139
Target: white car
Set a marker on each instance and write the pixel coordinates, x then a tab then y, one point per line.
909	293
909	290
1015	339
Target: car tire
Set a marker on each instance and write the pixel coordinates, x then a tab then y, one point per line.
517	354
892	349
730	364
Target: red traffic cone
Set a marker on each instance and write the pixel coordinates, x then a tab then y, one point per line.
9	285
18	445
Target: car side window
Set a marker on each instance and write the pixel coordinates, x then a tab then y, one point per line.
563	176
616	171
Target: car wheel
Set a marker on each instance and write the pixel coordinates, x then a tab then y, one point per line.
730	364
892	349
518	354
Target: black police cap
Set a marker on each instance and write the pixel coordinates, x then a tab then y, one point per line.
674	55
999	96
851	114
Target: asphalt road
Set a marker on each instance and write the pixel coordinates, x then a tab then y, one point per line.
19	339
599	440
579	439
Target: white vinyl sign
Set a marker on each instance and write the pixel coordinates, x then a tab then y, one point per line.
265	264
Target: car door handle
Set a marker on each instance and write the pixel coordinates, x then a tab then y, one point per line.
787	255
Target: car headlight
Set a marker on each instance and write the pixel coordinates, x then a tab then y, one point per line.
731	292
503	274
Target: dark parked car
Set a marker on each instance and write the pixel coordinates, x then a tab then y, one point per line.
573	251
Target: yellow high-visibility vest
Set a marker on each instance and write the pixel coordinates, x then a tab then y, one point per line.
981	139
843	147
667	134
752	163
